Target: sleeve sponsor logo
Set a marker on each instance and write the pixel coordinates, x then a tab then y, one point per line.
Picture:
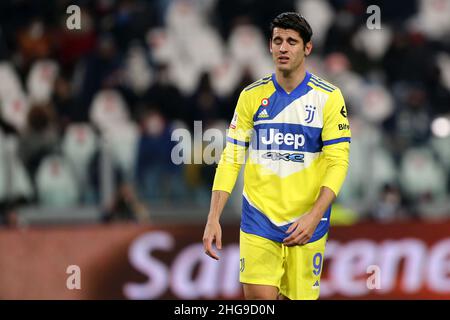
343	112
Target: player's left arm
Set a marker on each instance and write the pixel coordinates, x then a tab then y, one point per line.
336	137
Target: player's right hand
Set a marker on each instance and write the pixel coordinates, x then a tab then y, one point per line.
213	233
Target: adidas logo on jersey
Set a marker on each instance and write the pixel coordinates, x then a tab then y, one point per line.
263	114
316	285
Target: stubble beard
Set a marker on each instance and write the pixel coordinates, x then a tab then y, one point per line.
289	70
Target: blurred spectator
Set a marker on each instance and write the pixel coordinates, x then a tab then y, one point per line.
245	80
390	205
157	178
410	124
73	45
123	203
164	94
4	51
205	104
229	11
34	42
126	206
9	215
438	94
39	139
340	34
66	109
408	49
132	19
202	176
100	70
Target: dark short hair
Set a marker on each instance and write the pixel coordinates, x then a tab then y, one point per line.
294	21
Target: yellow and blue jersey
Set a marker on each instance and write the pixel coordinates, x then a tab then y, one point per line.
297	142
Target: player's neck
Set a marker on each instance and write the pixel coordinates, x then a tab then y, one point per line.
290	80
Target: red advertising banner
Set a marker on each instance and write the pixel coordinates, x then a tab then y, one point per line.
129	261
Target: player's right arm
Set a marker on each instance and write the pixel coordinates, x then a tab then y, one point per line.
232	158
213	231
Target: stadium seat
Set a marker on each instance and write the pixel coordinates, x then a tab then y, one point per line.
161	45
421	175
198	47
384	169
432	18
374	43
183	16
14	110
79	145
138	73
441	147
225	76
187	25
56	185
108	109
364	154
320	23
377	103
40	81
14	180
122	140
251	38
11	85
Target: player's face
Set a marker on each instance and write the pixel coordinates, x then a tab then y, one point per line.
288	50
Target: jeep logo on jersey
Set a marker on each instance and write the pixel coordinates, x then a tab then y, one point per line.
310	112
279	138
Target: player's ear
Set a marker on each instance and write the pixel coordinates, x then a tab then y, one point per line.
270	45
308	48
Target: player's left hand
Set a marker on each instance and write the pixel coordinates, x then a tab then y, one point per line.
302	229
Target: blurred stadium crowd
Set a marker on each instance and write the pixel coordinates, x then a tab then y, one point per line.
87	115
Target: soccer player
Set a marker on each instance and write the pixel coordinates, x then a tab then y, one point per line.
295	127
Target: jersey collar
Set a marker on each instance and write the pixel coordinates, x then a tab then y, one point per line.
301	88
